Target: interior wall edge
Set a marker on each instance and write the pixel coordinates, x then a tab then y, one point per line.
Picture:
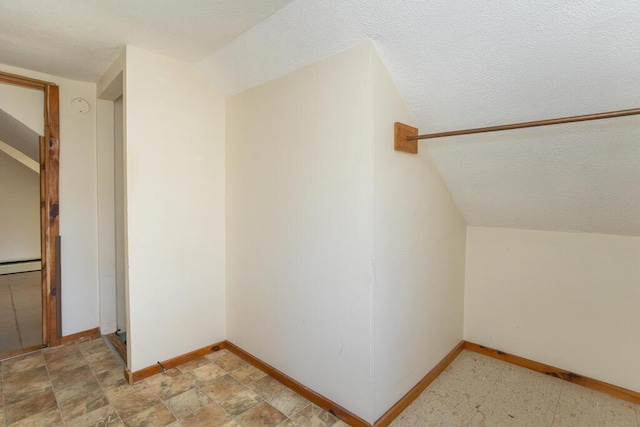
402	404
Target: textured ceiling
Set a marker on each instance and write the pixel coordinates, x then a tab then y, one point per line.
574	177
458	64
79	39
473	63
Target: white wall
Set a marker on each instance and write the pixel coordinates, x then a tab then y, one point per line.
19	211
419	256
175	174
299	226
566	299
26	105
78	225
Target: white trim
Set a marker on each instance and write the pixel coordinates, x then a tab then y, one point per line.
21	267
20	156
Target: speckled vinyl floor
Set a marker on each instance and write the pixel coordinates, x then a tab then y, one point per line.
476	390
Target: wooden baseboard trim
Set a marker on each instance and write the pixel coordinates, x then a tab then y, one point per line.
136	376
601	386
412	394
90	333
326	404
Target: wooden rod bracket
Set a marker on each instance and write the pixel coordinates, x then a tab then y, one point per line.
401	142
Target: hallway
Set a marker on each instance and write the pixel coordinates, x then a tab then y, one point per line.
20	311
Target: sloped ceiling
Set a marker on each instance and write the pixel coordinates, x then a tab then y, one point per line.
464	64
80	39
458	64
19	136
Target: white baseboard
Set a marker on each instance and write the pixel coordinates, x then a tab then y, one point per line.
20	267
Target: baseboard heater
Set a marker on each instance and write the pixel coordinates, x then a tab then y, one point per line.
20	266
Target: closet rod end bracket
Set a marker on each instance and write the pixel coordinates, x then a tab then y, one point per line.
401	142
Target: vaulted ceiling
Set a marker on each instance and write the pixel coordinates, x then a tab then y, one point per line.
458	64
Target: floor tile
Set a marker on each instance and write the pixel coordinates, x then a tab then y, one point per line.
49	418
166	386
106	364
582	407
205	374
156	416
83	403
230	362
314	416
215	355
80	388
134	403
9	336
104	416
209	415
474	390
28	384
111	378
193	364
62	379
120	389
248	374
20	311
187	403
267	387
99	356
29	407
66	364
90	346
289	402
232	396
20	364
262	415
62	352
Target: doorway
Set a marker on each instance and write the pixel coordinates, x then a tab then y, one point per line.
32	272
112	224
119	338
21	129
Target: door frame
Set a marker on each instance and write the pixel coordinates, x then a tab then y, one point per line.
49	205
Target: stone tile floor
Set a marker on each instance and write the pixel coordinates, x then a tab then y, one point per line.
82	384
20	311
476	390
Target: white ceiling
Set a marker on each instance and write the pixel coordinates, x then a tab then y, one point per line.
473	63
574	177
79	39
458	64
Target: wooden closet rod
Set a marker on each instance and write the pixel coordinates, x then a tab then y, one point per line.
407	136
